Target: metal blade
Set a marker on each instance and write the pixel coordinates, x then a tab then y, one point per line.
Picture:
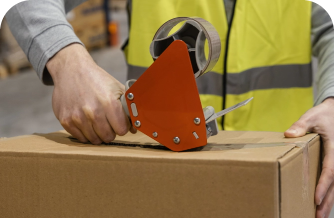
227	110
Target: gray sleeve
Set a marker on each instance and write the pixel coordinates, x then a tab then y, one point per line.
41	29
323	49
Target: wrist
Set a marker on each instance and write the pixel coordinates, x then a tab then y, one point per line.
65	59
329	101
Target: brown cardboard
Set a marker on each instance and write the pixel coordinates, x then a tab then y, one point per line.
89	23
238	174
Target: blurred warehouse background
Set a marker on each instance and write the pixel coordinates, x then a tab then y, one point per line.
25	103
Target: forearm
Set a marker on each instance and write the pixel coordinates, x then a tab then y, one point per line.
323	49
41	29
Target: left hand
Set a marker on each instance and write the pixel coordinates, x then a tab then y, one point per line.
320	119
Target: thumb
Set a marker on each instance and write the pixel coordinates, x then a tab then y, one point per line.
298	129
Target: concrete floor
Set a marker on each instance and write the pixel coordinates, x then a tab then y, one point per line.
25	103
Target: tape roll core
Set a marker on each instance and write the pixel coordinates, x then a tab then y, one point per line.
194	32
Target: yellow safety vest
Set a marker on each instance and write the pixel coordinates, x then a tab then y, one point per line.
266	54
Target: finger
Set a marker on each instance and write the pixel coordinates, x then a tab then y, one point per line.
86	127
70	127
324	210
301	127
133	130
326	178
104	130
117	118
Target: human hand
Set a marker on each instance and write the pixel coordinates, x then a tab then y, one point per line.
320	119
86	98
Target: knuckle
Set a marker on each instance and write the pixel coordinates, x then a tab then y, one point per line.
317	129
77	118
109	138
114	101
329	171
301	124
99	117
90	112
65	122
82	140
104	101
115	105
320	214
96	141
122	130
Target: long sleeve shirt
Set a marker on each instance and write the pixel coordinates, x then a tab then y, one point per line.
41	29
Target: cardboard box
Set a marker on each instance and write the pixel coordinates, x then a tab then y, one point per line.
118	4
89	23
93	36
88	13
86	20
238	174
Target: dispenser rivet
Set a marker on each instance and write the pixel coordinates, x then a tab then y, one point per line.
176	140
137	123
197	120
130	96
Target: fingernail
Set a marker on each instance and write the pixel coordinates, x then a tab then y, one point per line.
319	201
292	131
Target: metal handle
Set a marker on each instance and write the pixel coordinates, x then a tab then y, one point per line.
128	84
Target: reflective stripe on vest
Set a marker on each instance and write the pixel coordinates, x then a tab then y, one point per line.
269	56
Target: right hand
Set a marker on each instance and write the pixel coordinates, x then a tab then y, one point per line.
86	98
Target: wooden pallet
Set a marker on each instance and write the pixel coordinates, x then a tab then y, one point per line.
16	61
3	71
12	56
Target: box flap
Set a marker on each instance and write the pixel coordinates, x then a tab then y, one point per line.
243	146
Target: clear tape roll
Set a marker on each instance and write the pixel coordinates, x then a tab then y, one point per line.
194	32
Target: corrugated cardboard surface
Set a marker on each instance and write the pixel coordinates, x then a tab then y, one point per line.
238	174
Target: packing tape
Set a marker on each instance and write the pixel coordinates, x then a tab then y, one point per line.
194	32
306	172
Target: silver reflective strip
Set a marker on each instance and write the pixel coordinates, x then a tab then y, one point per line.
210	83
279	76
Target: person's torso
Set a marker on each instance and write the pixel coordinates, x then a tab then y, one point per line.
266	54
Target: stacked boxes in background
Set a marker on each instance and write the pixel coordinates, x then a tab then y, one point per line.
89	23
116	5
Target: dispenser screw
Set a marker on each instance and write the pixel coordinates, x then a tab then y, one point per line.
130	96
176	140
137	123
197	120
155	134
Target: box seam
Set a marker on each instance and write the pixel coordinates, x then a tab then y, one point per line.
309	143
